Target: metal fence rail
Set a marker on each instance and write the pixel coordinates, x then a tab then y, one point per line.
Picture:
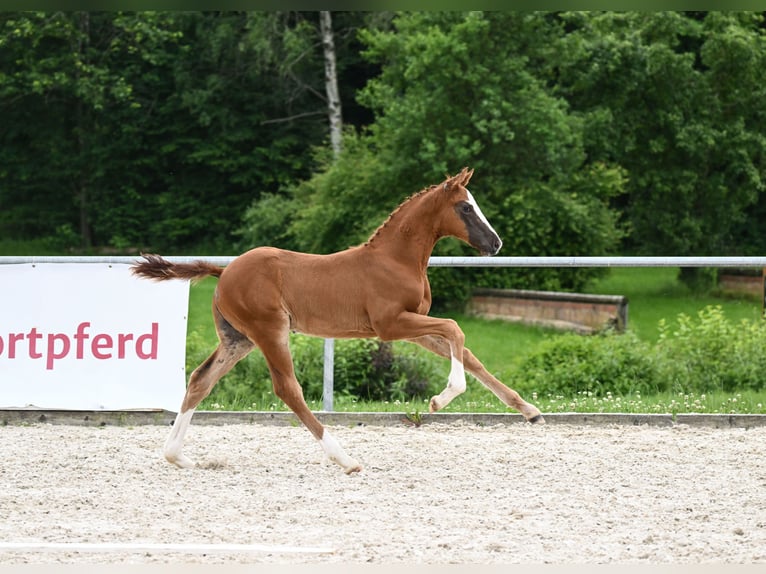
553	261
606	261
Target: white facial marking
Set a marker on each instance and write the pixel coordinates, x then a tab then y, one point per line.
479	212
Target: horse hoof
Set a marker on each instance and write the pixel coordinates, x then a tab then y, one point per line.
353	469
180	461
433	406
537	420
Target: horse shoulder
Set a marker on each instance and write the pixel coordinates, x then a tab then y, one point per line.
393	285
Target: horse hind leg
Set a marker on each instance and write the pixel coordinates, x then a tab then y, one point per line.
233	346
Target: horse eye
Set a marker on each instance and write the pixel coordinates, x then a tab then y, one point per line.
467	208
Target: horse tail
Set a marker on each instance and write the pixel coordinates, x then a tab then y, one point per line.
160	269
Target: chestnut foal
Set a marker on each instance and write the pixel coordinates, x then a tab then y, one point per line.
378	289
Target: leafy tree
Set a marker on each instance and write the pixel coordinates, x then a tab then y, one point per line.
458	89
155	129
58	84
159	129
676	100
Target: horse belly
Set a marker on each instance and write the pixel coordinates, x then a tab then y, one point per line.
336	319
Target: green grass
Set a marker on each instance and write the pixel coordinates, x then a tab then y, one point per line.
666	403
200	310
654	294
484	402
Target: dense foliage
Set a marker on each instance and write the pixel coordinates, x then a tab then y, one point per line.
677	99
452	92
154	129
701	354
590	132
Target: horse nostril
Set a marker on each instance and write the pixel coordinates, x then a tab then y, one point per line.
497	244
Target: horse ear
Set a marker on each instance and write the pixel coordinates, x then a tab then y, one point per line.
450	182
459	179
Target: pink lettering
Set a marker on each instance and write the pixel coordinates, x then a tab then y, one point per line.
12	339
33	337
152	339
98	345
122	340
80	337
80	344
52	353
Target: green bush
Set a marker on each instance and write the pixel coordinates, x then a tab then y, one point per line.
699	280
695	355
712	353
570	364
368	369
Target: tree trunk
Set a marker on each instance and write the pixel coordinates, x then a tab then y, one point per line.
331	82
336	132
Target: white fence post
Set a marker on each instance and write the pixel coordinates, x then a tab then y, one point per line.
328	380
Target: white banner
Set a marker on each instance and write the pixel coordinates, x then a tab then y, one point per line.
90	336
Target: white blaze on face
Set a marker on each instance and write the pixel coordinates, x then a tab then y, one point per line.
481	215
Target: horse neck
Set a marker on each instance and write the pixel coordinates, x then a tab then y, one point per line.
410	232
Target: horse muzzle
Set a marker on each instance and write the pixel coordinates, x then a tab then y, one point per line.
481	235
491	246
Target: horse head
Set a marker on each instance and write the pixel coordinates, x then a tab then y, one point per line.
463	216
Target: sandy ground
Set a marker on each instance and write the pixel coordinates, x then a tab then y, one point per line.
436	494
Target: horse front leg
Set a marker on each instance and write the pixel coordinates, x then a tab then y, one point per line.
273	342
506	394
411	326
456	383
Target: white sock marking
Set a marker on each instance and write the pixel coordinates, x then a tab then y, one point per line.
175	442
335	453
456	380
455	384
